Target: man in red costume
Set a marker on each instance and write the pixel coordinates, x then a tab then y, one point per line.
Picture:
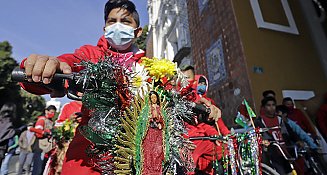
203	154
120	30
41	129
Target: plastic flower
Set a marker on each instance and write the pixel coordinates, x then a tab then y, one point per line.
66	125
159	68
139	76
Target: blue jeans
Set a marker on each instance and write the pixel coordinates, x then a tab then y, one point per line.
4	165
38	160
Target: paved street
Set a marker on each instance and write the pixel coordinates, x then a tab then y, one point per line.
13	165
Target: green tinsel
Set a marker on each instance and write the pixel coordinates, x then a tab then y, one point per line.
142	124
167	134
101	82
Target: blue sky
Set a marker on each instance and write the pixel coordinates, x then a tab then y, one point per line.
54	27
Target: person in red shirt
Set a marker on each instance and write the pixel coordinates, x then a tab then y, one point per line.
271	155
204	151
297	116
122	27
41	129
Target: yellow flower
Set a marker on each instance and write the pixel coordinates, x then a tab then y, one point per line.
159	68
137	81
67	124
66	128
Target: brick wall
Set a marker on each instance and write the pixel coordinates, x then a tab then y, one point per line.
218	19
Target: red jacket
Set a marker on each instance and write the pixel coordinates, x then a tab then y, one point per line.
40	127
76	160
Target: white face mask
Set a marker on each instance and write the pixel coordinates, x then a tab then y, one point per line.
119	36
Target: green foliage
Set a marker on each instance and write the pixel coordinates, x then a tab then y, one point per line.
65	132
33	105
28	105
141	41
9	91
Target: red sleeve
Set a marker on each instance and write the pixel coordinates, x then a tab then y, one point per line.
222	127
37	131
83	53
209	130
38	128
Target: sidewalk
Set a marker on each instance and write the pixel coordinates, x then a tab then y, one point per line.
13	165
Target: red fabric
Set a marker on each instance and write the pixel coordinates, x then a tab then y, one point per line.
242	109
270	122
76	161
38	129
153	152
322	119
68	109
297	116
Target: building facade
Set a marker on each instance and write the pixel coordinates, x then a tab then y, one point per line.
248	46
169	31
245	47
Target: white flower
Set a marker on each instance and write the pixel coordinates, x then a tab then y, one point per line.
139	78
181	78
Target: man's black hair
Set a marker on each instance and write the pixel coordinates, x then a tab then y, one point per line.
266	100
187	67
265	93
51	107
282	108
124	4
287	99
202	80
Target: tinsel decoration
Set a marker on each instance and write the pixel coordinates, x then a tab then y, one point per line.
249	152
105	94
119	121
178	111
232	156
135	124
129	147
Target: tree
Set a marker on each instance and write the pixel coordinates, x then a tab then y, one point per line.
141	41
11	92
33	105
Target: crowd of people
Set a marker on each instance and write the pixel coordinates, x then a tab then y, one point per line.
32	141
292	128
120	30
